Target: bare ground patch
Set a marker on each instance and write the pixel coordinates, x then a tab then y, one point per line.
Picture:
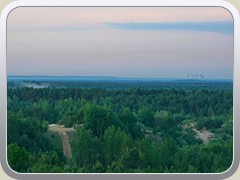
204	134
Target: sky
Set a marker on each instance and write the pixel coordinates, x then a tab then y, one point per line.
149	42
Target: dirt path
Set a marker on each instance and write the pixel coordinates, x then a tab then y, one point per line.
64	136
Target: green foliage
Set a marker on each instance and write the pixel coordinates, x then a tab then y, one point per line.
133	130
128	117
161	116
85	148
98	168
209	123
47	163
45	126
97	118
146	116
149	153
115	141
56	143
136	131
116	167
167	152
18	158
163	120
131	158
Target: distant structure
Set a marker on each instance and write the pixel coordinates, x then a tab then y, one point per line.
195	76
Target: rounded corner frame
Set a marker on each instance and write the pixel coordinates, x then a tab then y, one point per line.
124	3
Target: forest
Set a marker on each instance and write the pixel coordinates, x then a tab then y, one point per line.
120	130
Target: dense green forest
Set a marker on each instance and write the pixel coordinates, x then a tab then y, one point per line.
129	130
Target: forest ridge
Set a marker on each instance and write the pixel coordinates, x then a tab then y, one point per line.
135	129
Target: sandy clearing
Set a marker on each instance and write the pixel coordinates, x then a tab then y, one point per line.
204	134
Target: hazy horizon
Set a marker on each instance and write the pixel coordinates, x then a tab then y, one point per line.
140	42
116	77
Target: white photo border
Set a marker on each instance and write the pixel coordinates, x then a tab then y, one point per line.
122	3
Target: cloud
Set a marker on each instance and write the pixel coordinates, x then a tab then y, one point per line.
225	27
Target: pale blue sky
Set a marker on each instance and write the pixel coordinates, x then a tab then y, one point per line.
125	42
